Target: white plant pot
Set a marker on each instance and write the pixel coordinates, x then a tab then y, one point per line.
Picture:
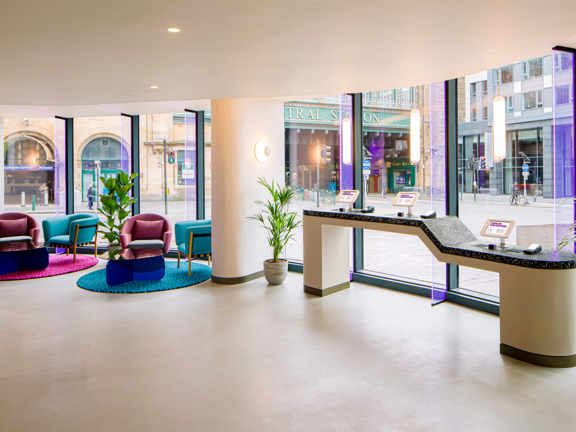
275	273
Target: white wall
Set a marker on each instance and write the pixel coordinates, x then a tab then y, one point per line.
239	245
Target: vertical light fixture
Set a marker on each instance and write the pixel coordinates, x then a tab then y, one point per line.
499	125
347	140
414	136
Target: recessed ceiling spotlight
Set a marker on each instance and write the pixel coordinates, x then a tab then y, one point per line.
153	86
173	29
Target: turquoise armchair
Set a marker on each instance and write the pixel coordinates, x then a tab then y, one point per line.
194	239
71	231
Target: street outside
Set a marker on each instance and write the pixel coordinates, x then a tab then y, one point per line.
395	255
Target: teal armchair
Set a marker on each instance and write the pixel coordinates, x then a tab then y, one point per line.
71	231
194	239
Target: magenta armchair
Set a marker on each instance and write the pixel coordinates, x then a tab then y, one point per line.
146	231
18	228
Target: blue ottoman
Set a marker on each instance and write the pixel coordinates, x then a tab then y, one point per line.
128	270
22	260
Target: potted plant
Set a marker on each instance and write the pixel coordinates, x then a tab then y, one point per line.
279	223
116	204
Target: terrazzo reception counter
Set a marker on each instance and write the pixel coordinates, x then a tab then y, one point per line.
537	292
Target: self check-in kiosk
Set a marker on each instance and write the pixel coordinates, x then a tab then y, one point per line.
406	199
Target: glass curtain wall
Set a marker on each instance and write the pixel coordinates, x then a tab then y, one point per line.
563	144
168	166
311	126
100	150
538	168
386	145
34	161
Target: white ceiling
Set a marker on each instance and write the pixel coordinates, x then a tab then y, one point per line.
99	57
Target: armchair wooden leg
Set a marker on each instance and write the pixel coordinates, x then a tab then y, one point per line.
76	241
189	265
96	243
209	259
178	259
67	251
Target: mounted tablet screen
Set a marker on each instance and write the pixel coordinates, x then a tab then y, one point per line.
497	228
347	196
406	199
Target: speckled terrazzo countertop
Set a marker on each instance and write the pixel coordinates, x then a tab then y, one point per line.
452	237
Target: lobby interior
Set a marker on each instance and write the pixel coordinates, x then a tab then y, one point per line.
235	353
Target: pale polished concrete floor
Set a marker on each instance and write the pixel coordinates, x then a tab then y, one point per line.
258	358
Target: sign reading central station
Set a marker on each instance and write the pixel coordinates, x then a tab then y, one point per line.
307	114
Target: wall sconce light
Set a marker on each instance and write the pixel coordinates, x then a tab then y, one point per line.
347	140
499	127
414	136
262	151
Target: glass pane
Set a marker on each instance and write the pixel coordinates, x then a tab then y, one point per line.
32	165
310	126
521	186
386	141
168	166
187	166
563	138
208	163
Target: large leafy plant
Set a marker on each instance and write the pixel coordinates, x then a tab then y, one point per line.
116	207
276	220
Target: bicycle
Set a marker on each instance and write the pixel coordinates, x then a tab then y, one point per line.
517	198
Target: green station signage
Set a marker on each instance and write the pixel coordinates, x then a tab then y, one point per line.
329	116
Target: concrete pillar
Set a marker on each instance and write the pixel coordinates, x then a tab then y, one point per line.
2	182
239	245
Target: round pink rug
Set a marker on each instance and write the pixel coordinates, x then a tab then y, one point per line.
59	264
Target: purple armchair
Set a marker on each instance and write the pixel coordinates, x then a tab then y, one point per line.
146	231
18	231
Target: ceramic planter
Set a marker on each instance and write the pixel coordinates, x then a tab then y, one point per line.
275	273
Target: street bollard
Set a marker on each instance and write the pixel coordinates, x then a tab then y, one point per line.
46	198
33	202
23	199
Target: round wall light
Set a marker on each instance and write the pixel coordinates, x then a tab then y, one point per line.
262	151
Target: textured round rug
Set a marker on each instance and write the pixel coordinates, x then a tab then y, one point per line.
174	278
59	264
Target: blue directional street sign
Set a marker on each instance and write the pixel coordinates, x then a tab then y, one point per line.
366	164
525	168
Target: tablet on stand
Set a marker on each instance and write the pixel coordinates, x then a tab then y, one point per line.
500	228
347	197
406	199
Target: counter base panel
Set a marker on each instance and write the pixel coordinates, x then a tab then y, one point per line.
326	291
538	359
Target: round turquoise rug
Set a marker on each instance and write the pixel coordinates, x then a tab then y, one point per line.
174	278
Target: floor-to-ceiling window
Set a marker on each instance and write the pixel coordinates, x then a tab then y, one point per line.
386	147
30	167
521	186
316	168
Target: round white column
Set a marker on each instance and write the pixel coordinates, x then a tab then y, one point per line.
239	245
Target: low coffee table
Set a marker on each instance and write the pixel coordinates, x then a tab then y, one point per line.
136	264
22	256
